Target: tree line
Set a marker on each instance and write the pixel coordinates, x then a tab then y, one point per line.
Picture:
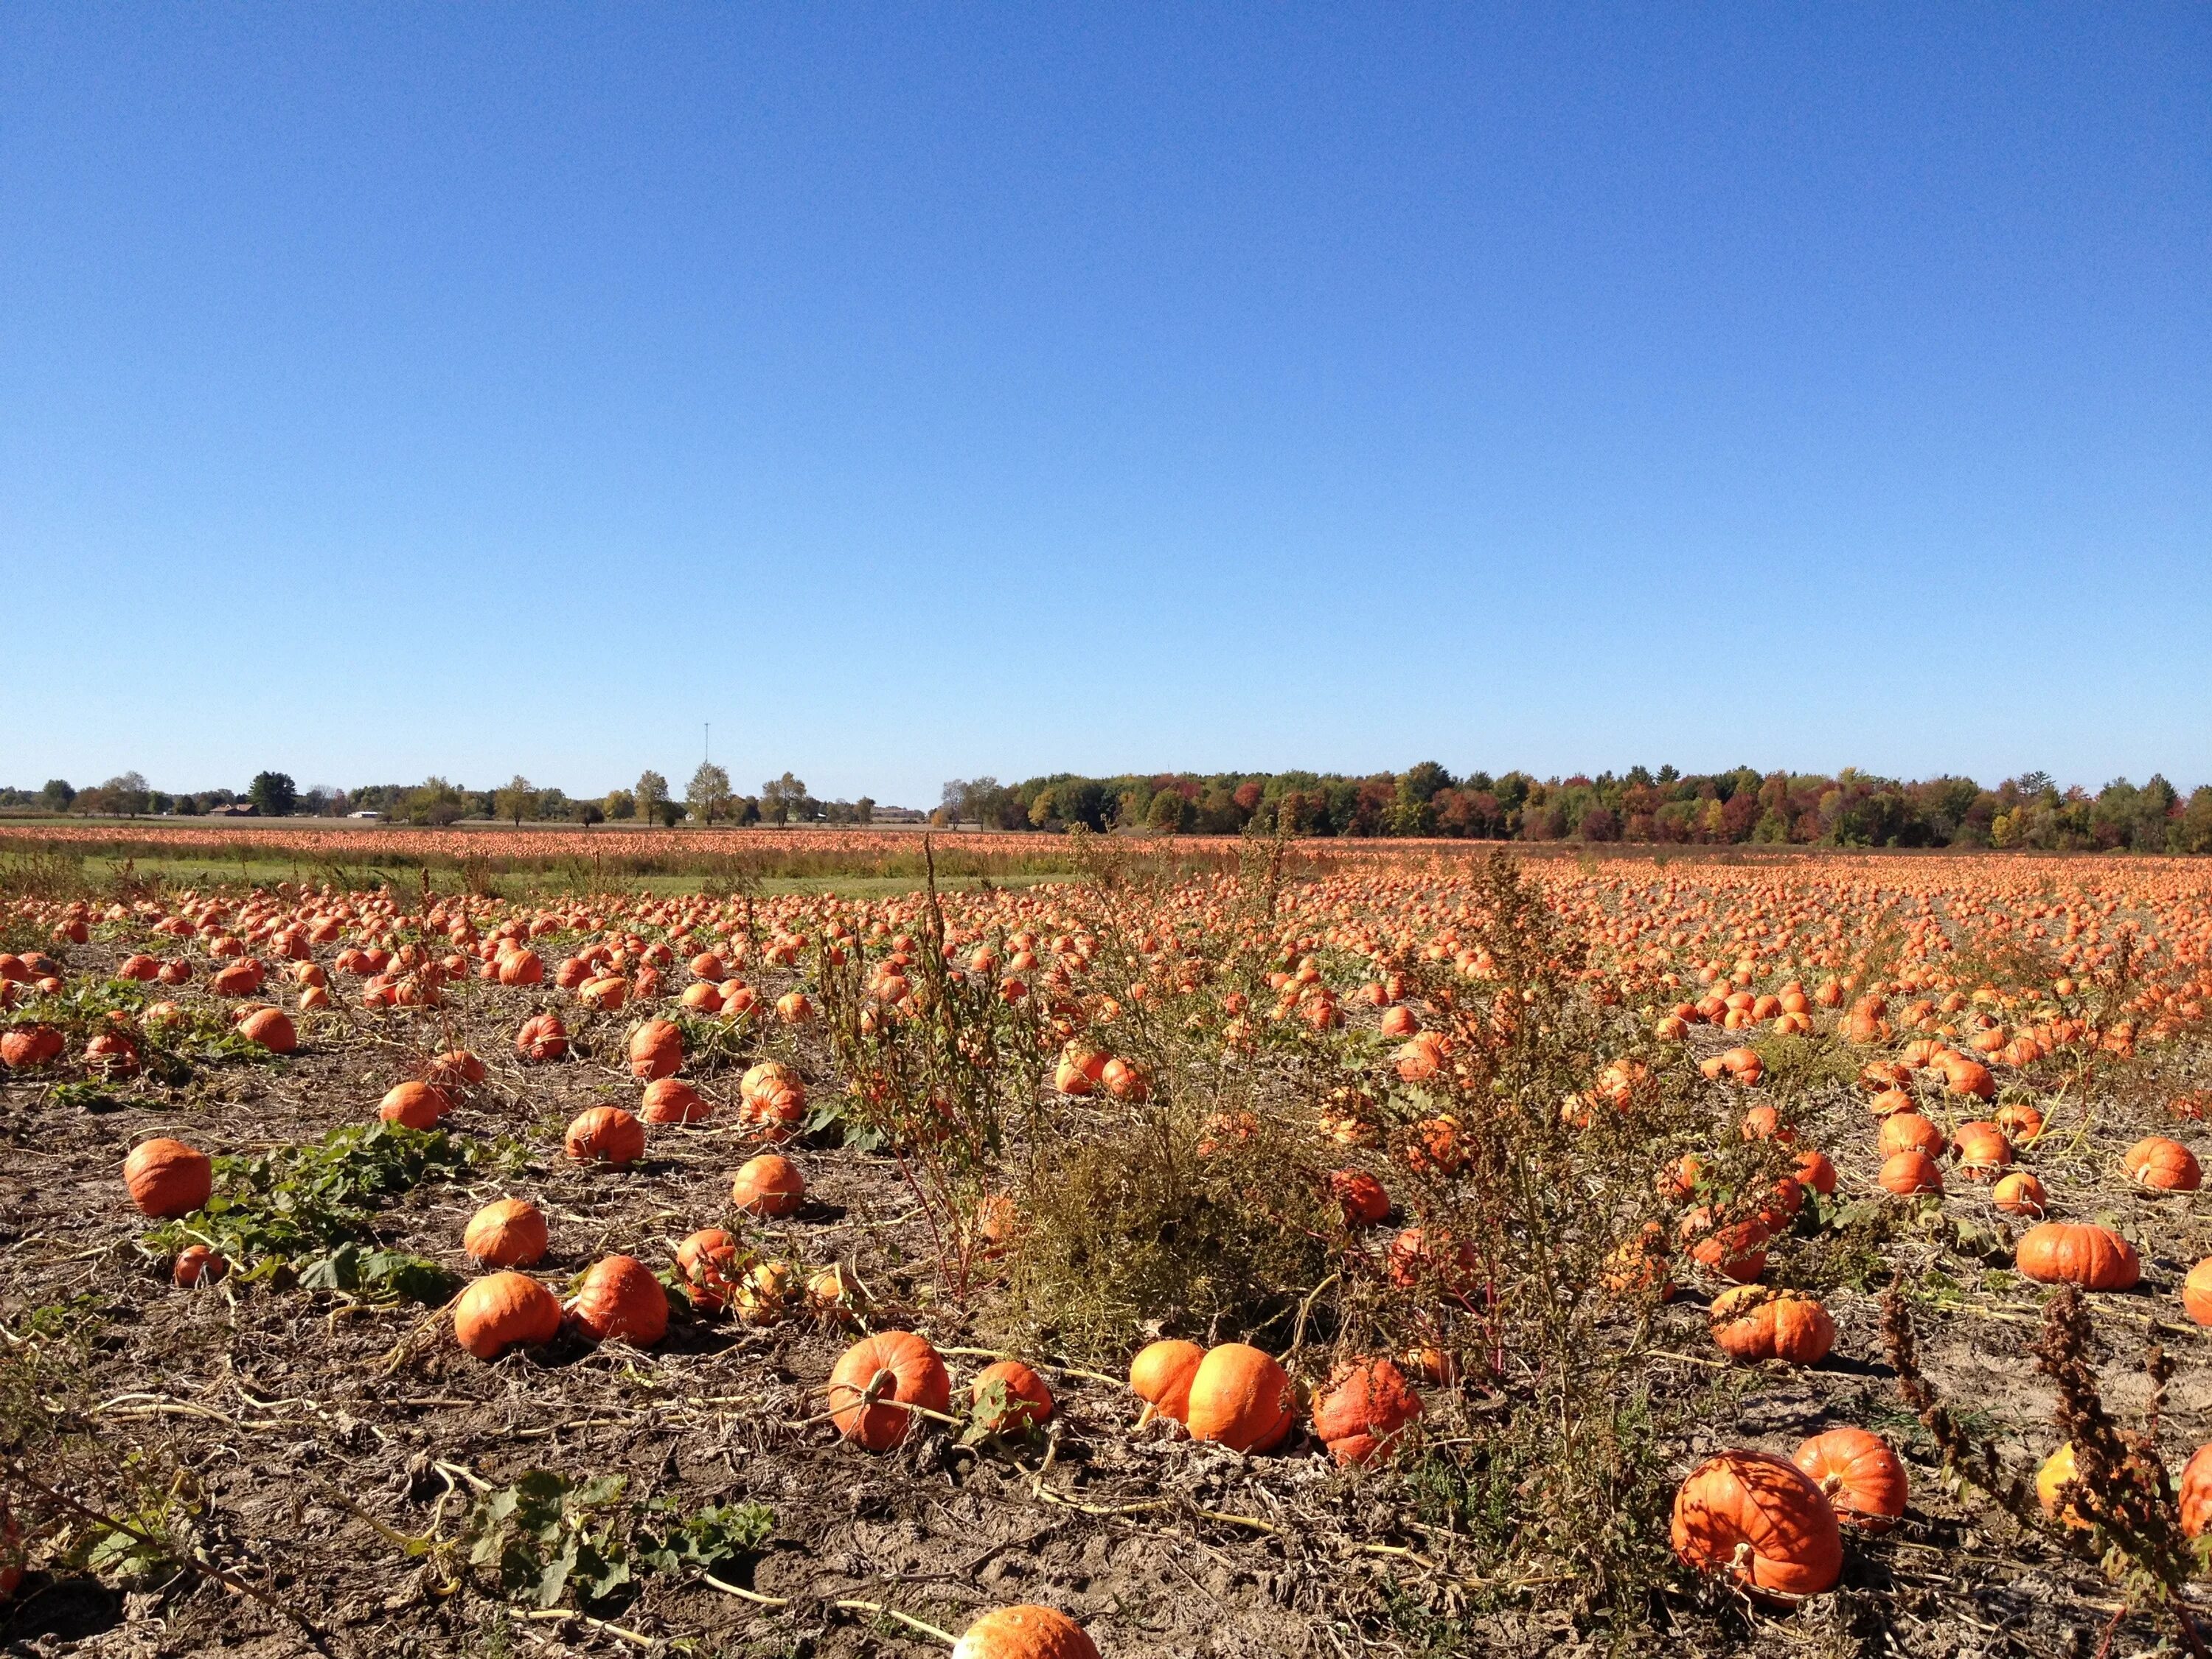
1640	807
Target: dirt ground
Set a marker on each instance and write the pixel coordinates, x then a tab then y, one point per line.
312	1435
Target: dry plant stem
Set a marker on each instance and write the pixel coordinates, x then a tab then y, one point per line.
192	1561
636	1637
847	1604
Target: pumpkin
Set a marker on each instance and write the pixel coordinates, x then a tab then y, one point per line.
2057	1473
769	1185
707	1265
508	1232
24	1046
1023	1400
1362	1409
196	1264
620	1298
1859	1474
656	1050
1241	1398
1981	1149
1909	1132
1024	1632
271	1029
1908	1173
504	1310
876	1379
2163	1166
2019	1121
608	1133
1361	1196
414	1105
1753	1322
167	1178
2077	1253
2197	1293
544	1037
2018	1193
1736	1251
1161	1375
457	1068
1760	1520
672	1100
2194	1492
1818	1171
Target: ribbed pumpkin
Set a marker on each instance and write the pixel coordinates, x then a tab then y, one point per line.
672	1100
2197	1293
1024	1632
619	1297
710	1264
606	1133
1241	1398
508	1232
1361	1197
2019	1194
1753	1322
1981	1148
541	1038
2078	1253
167	1178
414	1105
769	1185
1161	1375
1027	1401
1817	1170
2163	1166
876	1378
502	1310
1909	1132
1762	1520
656	1050
1859	1474
2194	1489
271	1029
1908	1173
195	1265
1362	1408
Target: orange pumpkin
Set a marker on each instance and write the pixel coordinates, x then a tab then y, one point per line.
1753	1322
2197	1293
1859	1474
769	1185
167	1178
2078	1253
504	1310
672	1100
541	1038
1760	1520
414	1105
509	1232
196	1264
2194	1492
271	1029
607	1134
710	1265
877	1378
1981	1148
1361	1196
620	1298
1241	1398
1908	1173
1361	1410
2163	1166
1909	1132
2019	1194
1817	1172
656	1050
1026	1401
1024	1632
1161	1376
2052	1480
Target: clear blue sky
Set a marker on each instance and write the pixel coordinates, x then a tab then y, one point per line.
924	391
